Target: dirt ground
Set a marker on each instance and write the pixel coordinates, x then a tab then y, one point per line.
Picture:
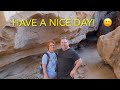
92	68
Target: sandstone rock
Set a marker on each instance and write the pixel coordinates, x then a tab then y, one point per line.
117	19
29	37
98	16
109	49
32	36
7	36
20	42
2	19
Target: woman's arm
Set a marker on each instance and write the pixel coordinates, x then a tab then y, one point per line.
45	71
44	65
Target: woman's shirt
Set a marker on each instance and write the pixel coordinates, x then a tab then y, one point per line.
51	67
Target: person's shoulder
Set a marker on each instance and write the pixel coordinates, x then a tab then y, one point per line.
72	50
74	54
44	55
59	50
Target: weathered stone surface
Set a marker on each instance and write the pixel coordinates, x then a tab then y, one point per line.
109	49
7	36
16	40
19	43
2	19
117	19
27	36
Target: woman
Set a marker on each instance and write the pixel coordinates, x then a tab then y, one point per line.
49	68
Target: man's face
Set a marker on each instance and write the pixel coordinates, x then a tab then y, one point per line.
64	43
51	47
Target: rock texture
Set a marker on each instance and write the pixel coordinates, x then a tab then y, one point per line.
118	19
19	45
19	38
20	42
2	19
109	49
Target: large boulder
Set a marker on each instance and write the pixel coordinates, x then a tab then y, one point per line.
117	19
2	19
7	36
21	42
109	49
27	37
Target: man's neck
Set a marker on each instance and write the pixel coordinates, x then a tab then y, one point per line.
65	49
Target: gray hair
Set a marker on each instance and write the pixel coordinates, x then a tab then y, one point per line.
64	38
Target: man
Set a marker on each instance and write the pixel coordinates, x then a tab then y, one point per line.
49	69
68	61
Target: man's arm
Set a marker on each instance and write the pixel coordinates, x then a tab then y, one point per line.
77	65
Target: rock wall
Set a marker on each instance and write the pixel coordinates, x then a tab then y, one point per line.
109	49
2	19
20	42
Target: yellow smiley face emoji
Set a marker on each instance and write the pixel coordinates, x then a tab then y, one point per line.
107	22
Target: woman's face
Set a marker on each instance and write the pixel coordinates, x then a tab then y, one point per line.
51	47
